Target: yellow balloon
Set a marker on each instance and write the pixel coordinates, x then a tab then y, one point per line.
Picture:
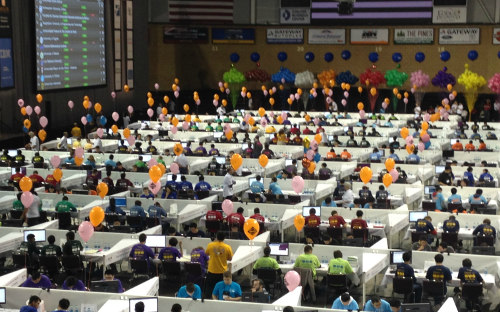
299	221
251	228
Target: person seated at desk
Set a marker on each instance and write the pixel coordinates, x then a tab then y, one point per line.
345	302
34	304
198	255
137	210
328	202
37	160
485	177
457	146
194	231
110	162
49	188
113	209
151	148
266	262
358	223
335	220
405	270
446	177
72	283
422	244
485	126
65	206
438	198
482	146
16	176
141	251
339	189
213	150
394	144
425	226
17	204
469	177
348	196
72	246
478	198
267	151
5	159
307	131
337	265
274	187
470	146
475	135
107	179
200	150
393	155
312	221
308	260
439	272
122	148
351	142
156	211
92	180
146	194
324	172
375	304
109	275
202	185
171	253
345	155
19	159
257	216
467	274
213	167
451	225
444	248
382	193
257	187
454	198
37	280
485	229
258	288
413	158
190	290
236	218
29	247
364	143
51	249
185	185
90	162
214	215
227	289
365	197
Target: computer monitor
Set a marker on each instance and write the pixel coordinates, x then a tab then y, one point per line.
23	170
453	141
244	146
391	140
106	286
40	235
12	153
416	307
417	215
288	162
428	190
120	201
279	249
217	134
156	241
397	256
251	180
69	141
169	177
3	295
330	138
217	205
448	153
346	129
184	144
221	160
146	158
439	169
305	210
150	304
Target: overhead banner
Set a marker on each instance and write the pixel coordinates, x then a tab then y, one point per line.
285	35
295	16
185	34
413	35
465	35
6	65
233	35
496	35
370	36
326	36
449	15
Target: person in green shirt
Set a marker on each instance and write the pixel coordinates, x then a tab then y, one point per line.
219	127
236	121
266	262
307	260
340	266
17	204
140	164
227	119
160	160
51	249
65	205
209	127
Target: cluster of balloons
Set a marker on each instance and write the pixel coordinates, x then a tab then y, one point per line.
419	79
283	75
346	77
372	77
233	76
86	228
251	227
494	83
443	79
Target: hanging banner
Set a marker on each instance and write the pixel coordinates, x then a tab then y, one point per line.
496	35
465	35
326	36
414	35
449	15
370	36
295	16
285	35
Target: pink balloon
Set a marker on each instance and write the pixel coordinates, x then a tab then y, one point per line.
198	102
292	97
100	132
71	104
90	104
115	116
215	102
451	96
130	109
263	122
315	94
84	120
86	230
243	94
271	114
150	112
330	92
316	121
152	162
384	105
131	140
247	117
38	110
427	117
27	199
283	80
227	207
412	90
29	110
185	125
446	115
176	94
178	89
298	184
79	152
221	84
284	115
421	146
409	140
157	86
174	168
405	100
173	130
362	114
292	280
310	154
329	100
228	91
162	117
20	102
314	145
113	94
274	89
226	128
154	187
43	121
344	102
394	174
55	161
426	138
265	92
446	101
346	94
297	96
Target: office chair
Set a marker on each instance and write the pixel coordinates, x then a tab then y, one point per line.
404	286
271	280
336	284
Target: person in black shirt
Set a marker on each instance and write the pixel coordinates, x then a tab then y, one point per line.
446	177
5	159
72	246
194	232
365	197
92	180
213	167
37	160
19	159
351	142
405	270
394	144
451	225
439	272
382	194
339	190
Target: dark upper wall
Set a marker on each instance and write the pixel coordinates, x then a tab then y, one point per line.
55	102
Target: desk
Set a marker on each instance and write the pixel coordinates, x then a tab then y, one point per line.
148	288
293	298
6	203
190	212
14	279
11	241
448	306
244	256
118	252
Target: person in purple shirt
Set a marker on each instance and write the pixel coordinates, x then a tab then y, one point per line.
37	280
141	251
200	150
187	149
171	253
72	283
213	151
198	255
109	275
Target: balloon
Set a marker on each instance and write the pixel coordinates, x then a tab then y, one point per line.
445	56
100	132
42	135
57	173
149	95
150	112
263	160
130	109
387	179
155	173
449	87
176	94
310	154
178	149
27	199
102	189
404	132
27	123
282	56
312	167
187	118
472	55
151	102
37	110
114	128
373	57
365	174
25	184
309	57
362	114
174	168
39	98
131	140
426	138
425	125
157	86
410	148
103	120
43	121
255	57
344	102
234	57
20	102
318	138
96	215
394	174
86	104
419	57
154	187
373	91
328	57
346	54
89	118
29	110
23	111
227	207
389	164
397	57
236	161
55	161
78	161
113	94
126	88
98	107
298	184
421	146
251	228
86	230
115	116
186	108
409	140
292	280
262	111
299	221
361	106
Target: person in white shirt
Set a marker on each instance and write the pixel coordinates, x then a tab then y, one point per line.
34	142
348	197
126	121
228	184
31	214
183	163
63	143
97	142
221	110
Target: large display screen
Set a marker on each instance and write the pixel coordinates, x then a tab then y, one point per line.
70	47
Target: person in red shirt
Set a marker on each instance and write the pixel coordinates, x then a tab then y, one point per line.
214	215
297	140
108	180
307	131
312	220
335	220
236	218
319	130
122	184
92	180
17	176
358	223
51	180
257	216
36	178
295	129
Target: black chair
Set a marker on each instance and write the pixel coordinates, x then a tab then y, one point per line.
415	236
312	232
64	220
383	204
135	222
294	199
13	222
173	273
152	222
450	238
111	218
486	210
483	250
404	286
457	207
21	260
43	216
255	198
15	214
213	226
472	292
435	289
335	233
72	265
194	273
270	198
481	240
120	229
336	284
355	242
50	265
271	280
428	206
478	207
202	194
139	267
360	233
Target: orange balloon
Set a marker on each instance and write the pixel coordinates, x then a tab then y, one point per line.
251	121
196	97
224	102
389	164
39	98
78	161
96	215
114	128
299	91
162	168
216	97
86	104
178	149
126	132
308	118
86	98
23	111
404	132
290	101
226	85
151	102
244	89
449	87
315	85
410	148
360	89
229	134
271	101
406	95
149	94
365	174
395	91
176	80
166	99
347	86
387	180
387	101
98	107
422	133
126	89
342	85
299	221
263	88
164	111
263	160
174	121
398	96
57	173
454	93
425	125
373	91
102	189
27	123
42	135
236	161
317	138
249	95
251	228
312	167
279	119
155	173
186	108
25	184
187	118
262	111
361	106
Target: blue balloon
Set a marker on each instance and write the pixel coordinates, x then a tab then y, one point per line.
309	57
89	118
397	57
346	54
255	57
328	57
419	57
472	55
282	56
498	54
373	57
103	120
25	130
427	144
235	57
445	56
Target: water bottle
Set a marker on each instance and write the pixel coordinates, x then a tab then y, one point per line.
485	271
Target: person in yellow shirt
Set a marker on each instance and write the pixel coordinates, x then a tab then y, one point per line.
196	119
88	145
77	143
220	253
76	132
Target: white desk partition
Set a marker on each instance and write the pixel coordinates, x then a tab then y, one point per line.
448	306
292	298
6	200
11	241
14	279
148	288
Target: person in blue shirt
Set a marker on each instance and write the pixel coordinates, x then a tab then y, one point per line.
171	253
146	194
485	176
137	210
112	208
485	229
451	225
257	187
202	185
376	304
110	162
227	289
375	155
454	198
156	211
190	290
63	305
405	270
328	202
393	155
438	198
477	198
274	187
184	185
345	302
172	185
439	272
469	177
425	226
475	135
413	158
